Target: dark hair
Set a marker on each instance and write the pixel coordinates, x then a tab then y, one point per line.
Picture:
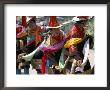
80	22
78	72
33	20
17	64
79	56
23	61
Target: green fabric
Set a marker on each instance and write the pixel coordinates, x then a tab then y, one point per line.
61	60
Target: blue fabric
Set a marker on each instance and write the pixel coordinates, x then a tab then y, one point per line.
18	71
47	63
30	38
26	70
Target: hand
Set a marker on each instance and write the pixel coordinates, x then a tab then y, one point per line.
78	62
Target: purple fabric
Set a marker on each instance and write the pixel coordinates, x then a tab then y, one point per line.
52	48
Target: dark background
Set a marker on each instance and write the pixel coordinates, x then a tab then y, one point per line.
56	1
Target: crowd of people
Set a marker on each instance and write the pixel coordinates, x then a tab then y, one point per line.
42	49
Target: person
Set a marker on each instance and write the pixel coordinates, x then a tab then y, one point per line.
51	50
54	43
20	51
34	37
75	40
31	24
26	67
36	30
18	70
21	64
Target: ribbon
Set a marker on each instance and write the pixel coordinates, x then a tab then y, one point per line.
43	63
61	60
52	48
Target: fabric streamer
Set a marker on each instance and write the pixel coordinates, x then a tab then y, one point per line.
61	60
85	52
29	57
52	48
30	39
22	33
43	63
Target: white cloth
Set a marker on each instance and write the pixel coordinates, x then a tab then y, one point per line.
79	69
31	70
85	51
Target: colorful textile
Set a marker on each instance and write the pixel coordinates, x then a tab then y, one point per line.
52	48
38	36
18	29
53	21
76	32
72	41
30	39
21	33
43	63
61	60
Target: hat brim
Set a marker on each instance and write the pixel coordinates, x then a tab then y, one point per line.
48	27
78	19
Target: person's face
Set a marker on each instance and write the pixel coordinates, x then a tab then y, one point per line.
72	49
82	23
38	28
32	25
54	33
21	65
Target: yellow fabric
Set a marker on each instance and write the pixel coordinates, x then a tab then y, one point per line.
72	41
47	41
22	35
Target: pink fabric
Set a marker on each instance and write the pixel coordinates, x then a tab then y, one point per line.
52	48
22	29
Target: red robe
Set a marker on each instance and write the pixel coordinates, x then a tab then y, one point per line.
76	32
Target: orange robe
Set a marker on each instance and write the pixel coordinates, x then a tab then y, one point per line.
38	37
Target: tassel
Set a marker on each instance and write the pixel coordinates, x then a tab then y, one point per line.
43	63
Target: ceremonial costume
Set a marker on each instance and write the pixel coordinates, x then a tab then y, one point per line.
75	40
56	43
